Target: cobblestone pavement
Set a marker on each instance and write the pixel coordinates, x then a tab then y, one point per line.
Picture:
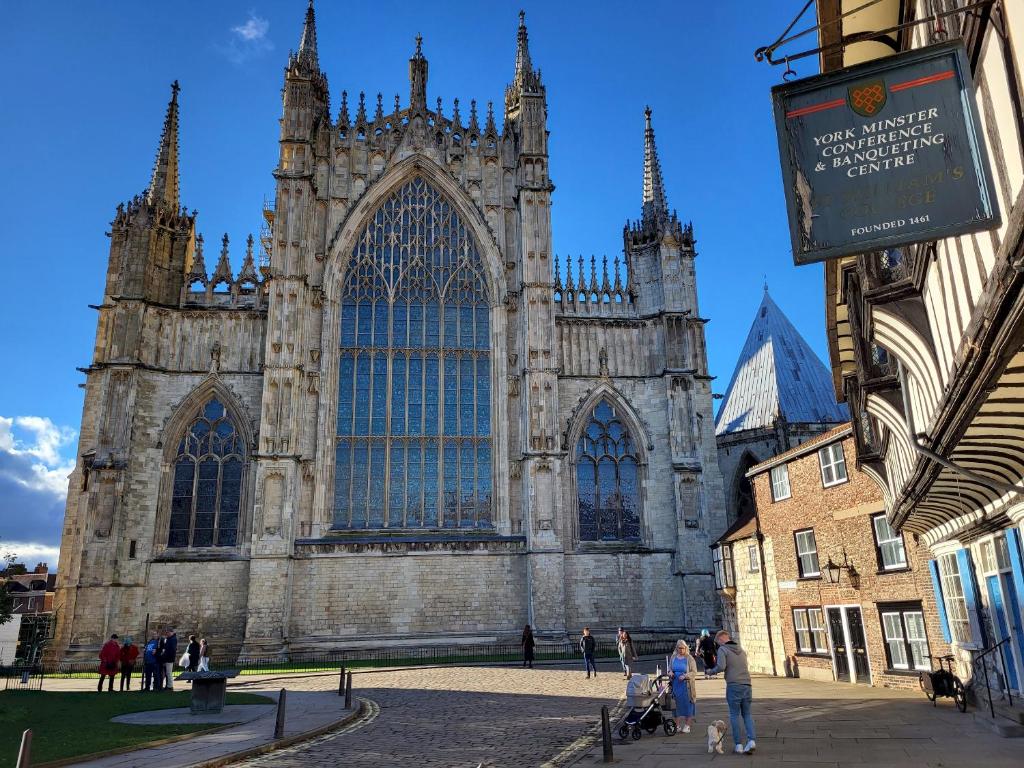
461	716
507	718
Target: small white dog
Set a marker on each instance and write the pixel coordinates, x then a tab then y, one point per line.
716	734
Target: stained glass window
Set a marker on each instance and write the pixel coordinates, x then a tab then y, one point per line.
607	479
414	385
207	485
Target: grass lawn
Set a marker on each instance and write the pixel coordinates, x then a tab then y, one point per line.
65	724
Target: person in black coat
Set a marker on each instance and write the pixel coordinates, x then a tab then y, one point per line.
707	651
167	658
192	649
528	645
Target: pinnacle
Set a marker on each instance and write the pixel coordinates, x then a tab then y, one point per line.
164	186
655	206
307	44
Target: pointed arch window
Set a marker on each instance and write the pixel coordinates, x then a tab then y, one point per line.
207	487
414	386
607	479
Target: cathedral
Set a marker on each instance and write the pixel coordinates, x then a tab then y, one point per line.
403	420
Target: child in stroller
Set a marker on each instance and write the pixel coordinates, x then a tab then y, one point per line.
648	699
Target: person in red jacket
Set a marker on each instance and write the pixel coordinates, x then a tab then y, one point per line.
129	653
110	657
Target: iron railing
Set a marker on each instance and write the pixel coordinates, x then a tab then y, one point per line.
430	655
984	671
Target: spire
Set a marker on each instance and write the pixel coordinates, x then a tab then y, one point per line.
222	274
655	207
307	44
523	64
164	186
526	79
418	78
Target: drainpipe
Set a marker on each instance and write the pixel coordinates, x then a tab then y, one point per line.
764	587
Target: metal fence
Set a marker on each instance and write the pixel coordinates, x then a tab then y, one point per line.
22	677
428	655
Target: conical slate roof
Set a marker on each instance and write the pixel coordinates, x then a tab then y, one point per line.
778	376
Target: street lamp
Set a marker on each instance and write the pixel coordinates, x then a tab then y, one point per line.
833	571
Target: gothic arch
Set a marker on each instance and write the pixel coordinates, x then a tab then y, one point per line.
184	415
577	420
639	438
339	248
338	265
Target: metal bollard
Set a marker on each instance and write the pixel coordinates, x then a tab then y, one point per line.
25	753
282	702
606	735
348	691
341	681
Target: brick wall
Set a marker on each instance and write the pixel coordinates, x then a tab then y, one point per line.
841	518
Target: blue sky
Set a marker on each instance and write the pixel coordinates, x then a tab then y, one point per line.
88	83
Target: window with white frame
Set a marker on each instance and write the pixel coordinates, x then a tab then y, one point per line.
888	545
833	464
722	561
780	482
806	553
906	642
755	564
809	627
816	618
953	595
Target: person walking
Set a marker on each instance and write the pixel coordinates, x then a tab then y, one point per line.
129	655
588	645
161	648
204	656
627	653
150	680
706	649
528	644
683	668
621	648
192	649
167	658
110	657
732	660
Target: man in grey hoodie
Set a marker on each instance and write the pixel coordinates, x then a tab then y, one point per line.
738	693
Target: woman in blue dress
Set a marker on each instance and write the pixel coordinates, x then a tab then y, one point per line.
684	691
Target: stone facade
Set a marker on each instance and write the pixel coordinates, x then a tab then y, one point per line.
172	339
841	517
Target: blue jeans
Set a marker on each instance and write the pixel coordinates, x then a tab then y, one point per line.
588	659
739	697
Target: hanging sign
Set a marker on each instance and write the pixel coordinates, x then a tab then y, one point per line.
884	154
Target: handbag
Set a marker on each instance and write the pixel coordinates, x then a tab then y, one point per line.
185	660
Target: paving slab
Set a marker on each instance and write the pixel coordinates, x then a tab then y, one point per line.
231	713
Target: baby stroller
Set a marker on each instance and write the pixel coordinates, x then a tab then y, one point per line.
648	698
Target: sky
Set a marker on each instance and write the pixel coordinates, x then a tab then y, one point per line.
86	90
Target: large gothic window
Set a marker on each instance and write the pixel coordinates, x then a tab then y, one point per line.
607	479
414	392
207	490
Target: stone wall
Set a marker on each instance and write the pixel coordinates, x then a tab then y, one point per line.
369	598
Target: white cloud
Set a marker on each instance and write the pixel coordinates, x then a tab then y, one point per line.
248	40
34	469
49	470
30	554
254	28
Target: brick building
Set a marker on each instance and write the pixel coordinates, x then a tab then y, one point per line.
847	597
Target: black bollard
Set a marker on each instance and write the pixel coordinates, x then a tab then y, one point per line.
282	701
606	735
348	691
25	753
341	681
